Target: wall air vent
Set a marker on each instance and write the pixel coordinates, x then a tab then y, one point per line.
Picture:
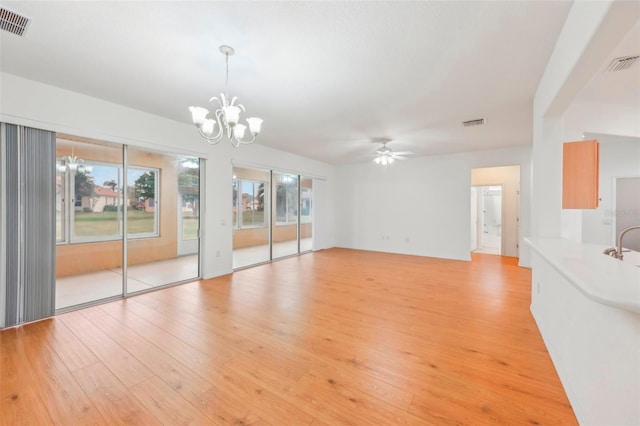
621	64
12	22
478	122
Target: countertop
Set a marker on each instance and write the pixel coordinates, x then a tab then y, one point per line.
599	277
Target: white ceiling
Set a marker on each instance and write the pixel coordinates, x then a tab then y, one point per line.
327	77
618	87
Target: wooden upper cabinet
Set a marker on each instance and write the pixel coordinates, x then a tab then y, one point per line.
580	174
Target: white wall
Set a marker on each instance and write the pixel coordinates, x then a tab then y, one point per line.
34	104
509	178
592	30
420	206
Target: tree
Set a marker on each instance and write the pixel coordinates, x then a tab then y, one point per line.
111	184
261	197
145	186
84	186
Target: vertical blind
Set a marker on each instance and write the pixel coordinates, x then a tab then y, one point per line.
30	224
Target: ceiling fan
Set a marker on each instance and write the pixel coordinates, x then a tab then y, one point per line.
384	155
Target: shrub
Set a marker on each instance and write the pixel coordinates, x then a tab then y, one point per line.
110	208
87	209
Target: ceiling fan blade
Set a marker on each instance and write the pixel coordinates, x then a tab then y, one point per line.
400	157
403	152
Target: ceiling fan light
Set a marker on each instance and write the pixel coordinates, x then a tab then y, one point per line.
198	115
255	124
376	160
390	160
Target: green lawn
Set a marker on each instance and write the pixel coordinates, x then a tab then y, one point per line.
190	227
252	218
89	224
138	222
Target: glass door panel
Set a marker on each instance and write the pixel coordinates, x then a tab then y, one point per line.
285	215
89	206
162	210
306	214
250	208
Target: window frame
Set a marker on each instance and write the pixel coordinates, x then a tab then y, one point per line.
239	225
68	210
296	205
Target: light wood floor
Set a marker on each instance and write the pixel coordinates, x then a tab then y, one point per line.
334	337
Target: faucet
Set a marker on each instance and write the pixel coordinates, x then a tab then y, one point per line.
617	252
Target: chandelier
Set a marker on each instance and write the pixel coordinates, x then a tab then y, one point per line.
226	116
73	164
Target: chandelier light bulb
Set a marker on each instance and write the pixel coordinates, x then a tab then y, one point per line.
208	126
227	115
255	124
198	115
239	130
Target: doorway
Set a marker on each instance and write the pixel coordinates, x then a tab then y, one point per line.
627	208
486	219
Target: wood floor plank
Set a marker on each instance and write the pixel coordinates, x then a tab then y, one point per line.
117	359
198	361
19	403
69	348
166	404
51	381
333	337
168	369
112	398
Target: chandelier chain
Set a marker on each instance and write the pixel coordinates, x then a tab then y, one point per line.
226	80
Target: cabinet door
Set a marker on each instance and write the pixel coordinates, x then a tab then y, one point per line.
580	173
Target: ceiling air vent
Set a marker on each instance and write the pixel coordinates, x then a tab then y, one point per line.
478	122
12	22
621	64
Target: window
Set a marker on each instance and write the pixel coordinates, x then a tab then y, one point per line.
248	204
60	200
142	217
305	205
286	200
189	193
95	210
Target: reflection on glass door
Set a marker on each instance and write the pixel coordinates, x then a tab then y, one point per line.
156	221
306	214
88	221
285	215
150	201
188	206
250	208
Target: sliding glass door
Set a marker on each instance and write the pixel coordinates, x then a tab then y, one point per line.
263	231
108	195
89	214
306	214
250	207
285	215
155	218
